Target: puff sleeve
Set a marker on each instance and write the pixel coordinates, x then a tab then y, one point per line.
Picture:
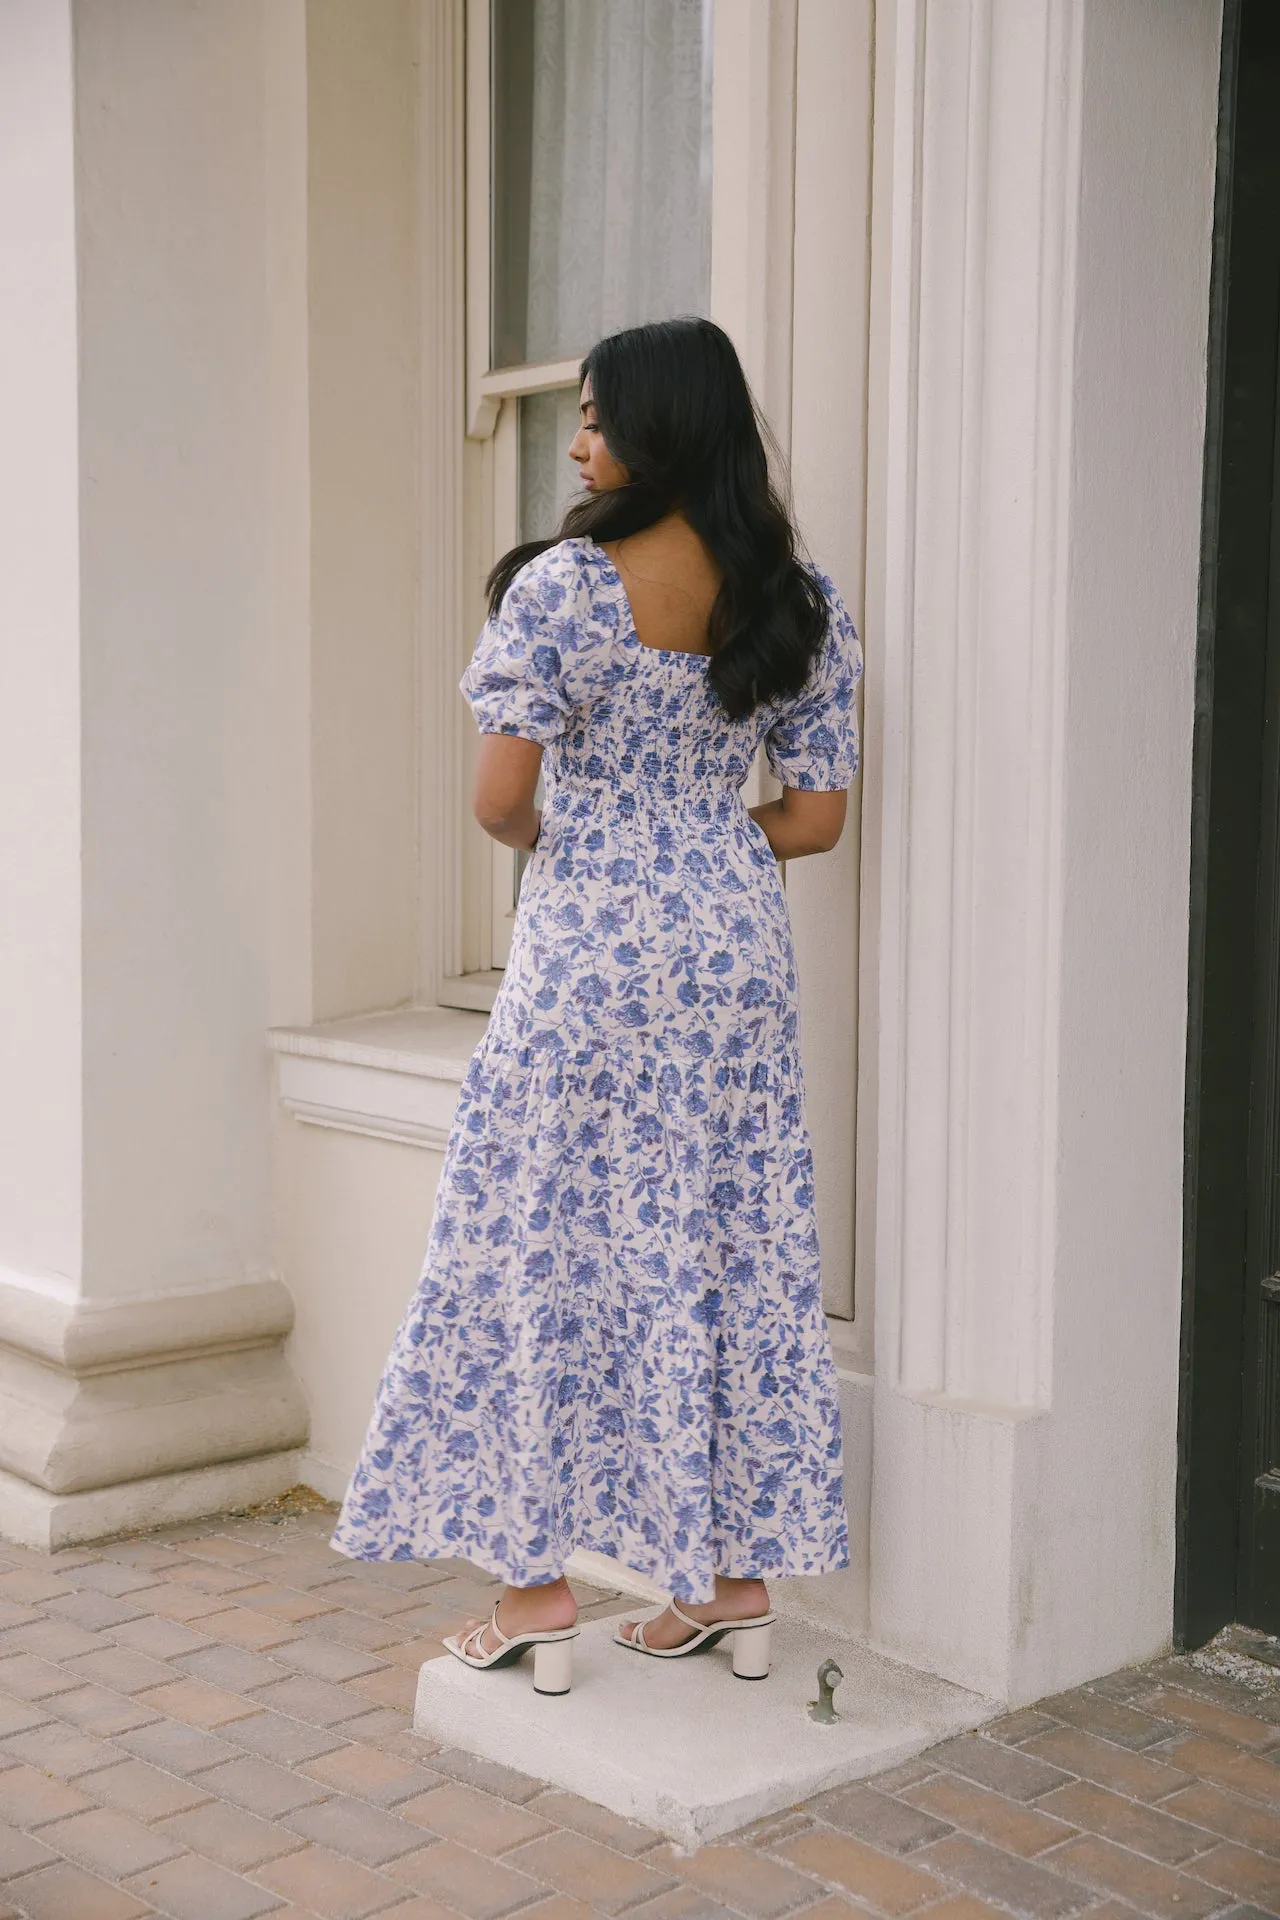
812	744
515	682
550	651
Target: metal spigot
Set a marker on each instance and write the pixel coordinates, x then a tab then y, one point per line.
823	1708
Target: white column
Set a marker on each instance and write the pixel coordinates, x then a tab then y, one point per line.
141	1371
39	646
1044	181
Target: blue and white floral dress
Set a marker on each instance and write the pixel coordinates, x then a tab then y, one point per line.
618	1339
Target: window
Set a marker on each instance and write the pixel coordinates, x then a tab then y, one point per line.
589	209
768	232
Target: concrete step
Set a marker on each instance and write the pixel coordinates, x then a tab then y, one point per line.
682	1745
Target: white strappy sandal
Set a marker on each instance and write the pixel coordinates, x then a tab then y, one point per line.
752	1640
552	1653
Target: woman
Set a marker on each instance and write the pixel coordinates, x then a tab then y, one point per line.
618	1340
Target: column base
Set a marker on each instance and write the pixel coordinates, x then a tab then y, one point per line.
132	1413
36	1518
953	1539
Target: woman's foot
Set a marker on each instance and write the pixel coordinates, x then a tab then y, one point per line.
735	1600
543	1609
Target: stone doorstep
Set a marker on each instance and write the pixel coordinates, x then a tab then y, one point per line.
683	1746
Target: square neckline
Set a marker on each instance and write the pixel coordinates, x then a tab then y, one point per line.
663	653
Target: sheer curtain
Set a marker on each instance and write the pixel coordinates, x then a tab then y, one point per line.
604	179
548	422
620	168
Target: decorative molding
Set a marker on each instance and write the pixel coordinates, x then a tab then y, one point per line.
48	1521
48	1322
436	1042
69	1432
392	1076
99	1394
973	286
386	1105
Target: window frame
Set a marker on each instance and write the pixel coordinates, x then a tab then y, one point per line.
753	149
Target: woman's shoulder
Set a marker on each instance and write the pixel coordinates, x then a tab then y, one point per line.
840	642
836	610
560	607
568	571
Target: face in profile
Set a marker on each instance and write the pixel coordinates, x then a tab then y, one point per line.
598	471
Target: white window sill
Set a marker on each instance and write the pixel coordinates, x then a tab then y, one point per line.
475	990
392	1076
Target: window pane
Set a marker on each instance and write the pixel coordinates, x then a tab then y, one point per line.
548	422
601	169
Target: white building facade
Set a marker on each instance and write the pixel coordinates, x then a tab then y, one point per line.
269	416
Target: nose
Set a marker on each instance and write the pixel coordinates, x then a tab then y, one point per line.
578	449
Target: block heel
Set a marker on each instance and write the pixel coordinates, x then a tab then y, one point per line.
752	1641
753	1652
553	1666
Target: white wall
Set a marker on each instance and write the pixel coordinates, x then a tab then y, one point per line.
364	368
175	642
40	1224
353	1215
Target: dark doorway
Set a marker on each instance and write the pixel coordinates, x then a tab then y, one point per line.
1229	1479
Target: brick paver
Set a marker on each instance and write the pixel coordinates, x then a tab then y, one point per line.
213	1722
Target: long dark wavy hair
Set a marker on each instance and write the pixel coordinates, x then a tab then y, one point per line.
676	412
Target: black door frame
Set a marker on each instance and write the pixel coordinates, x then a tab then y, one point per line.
1215	1410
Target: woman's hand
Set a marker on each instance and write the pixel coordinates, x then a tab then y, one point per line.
506	780
801	823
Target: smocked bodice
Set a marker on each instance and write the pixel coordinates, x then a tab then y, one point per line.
651	906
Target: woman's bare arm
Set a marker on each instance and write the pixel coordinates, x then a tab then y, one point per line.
801	823
506	779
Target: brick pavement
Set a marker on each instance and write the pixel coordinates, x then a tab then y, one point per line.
213	1723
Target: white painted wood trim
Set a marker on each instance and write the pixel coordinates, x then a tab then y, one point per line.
542	376
831	266
752	192
482	409
753	126
443	641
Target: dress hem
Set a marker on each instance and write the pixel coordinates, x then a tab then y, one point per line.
732	1568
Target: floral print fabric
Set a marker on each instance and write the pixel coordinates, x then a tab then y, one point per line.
618	1341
